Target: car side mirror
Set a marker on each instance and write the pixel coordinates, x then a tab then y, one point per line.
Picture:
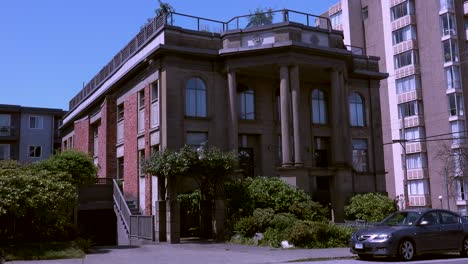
423	223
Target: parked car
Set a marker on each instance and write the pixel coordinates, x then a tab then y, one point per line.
406	234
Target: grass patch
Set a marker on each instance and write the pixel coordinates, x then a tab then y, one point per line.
42	251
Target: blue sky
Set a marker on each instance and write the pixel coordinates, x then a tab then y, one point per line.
49	48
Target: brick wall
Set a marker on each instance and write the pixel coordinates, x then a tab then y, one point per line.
131	147
107	139
82	136
148	178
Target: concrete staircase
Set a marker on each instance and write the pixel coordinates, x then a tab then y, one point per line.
133	207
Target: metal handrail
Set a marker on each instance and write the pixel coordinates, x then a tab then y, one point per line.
121	205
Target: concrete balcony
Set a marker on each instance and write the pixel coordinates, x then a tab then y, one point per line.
419	200
405	46
407	71
410	96
403	22
418	174
8	132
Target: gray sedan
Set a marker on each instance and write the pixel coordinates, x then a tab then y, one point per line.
406	234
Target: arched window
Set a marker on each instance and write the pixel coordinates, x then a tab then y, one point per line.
319	107
246	99
195	97
356	110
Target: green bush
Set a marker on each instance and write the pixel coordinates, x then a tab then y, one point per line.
246	226
372	207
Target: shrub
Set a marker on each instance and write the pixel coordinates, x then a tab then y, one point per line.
372	207
246	226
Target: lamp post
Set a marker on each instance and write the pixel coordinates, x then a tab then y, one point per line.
440	199
405	170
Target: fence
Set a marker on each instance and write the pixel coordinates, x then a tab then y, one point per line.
121	205
142	227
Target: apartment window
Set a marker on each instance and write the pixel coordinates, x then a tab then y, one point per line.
446	4
458	132
95	140
246	101
36	122
4	151
462	188
406	58
401	10
413	133
365	13
336	19
197	139
407	84
452	74
5	125
35	151
120	168
155	104
319	107
459	161
120	123
448	24
360	161
450	50
141	162
141	111
404	34
195	98
413	108
455	104
418	187
356	110
416	161
321	151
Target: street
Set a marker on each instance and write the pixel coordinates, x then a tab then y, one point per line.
432	259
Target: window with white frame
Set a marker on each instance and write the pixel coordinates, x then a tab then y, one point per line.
155	104
360	160
4	151
401	10
458	131
120	123
413	133
462	188
195	98
418	187
197	139
412	108
35	151
459	162
446	4
404	34
141	162
406	58
455	104
452	74
141	111
408	84
416	161
95	140
448	24
336	19
36	122
356	110
246	99
450	48
319	107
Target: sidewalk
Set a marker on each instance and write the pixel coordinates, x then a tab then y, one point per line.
198	253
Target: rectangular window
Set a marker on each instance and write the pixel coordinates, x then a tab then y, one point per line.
154	104
458	132
401	10
408	84
446	4
406	58
141	162
452	74
321	151
141	111
418	187
120	123
416	161
450	48
404	34
365	13
462	188
197	139
120	112
35	151
360	161
5	125
448	25
456	104
36	122
246	101
413	108
4	151
413	133
120	168
95	140
336	19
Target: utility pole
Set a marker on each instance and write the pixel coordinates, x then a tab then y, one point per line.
402	142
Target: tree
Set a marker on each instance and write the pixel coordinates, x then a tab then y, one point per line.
164	9
372	207
260	17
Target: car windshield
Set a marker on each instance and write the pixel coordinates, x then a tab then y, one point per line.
401	219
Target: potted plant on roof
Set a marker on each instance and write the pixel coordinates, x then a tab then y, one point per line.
260	17
164	9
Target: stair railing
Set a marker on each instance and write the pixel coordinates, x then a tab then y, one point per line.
121	205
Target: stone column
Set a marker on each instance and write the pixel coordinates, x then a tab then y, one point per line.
232	94
295	95
218	219
160	219
339	119
285	124
172	213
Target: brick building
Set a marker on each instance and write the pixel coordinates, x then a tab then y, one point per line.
286	93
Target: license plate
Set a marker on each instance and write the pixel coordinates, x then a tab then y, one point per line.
359	246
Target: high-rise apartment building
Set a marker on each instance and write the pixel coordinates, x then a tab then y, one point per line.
423	46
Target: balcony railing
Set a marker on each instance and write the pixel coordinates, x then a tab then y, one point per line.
8	131
149	31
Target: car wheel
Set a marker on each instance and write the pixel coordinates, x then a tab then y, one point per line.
365	257
464	251
406	250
